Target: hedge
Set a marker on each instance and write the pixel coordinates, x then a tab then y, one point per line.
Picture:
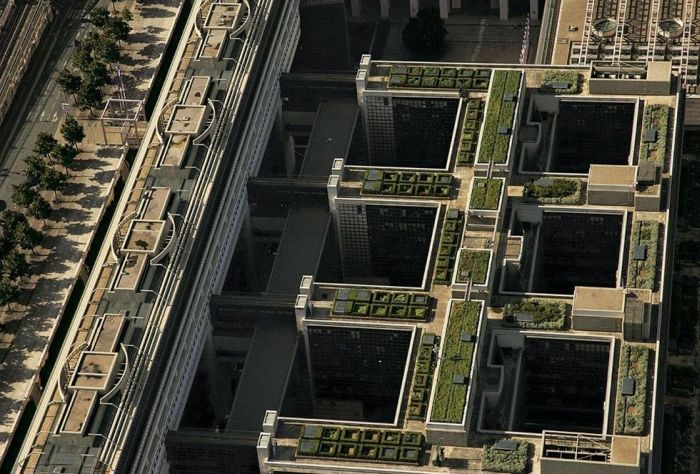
407	184
433	77
655	116
630	410
498	460
450	241
473	263
561	191
361	444
422	380
547	314
486	193
572	77
450	399
358	302
642	273
499	113
470	132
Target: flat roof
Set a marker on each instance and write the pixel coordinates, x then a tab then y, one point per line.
156	203
197	90
143	236
612	175
131	271
222	16
78	412
599	299
108	337
186	119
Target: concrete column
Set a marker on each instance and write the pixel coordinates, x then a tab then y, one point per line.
384	6
356	8
444	9
503	9
415	6
534	10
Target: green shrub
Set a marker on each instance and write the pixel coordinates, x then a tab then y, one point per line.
572	77
475	264
642	273
486	193
630	410
547	314
497	460
450	399
561	191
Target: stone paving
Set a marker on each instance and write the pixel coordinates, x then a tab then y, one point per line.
29	325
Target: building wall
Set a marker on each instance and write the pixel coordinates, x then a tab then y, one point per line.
196	327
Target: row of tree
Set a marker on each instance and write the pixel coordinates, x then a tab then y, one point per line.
17	235
99	48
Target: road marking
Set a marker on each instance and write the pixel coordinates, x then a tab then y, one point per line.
55	117
479	39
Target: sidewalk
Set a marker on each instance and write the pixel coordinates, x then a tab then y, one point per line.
30	325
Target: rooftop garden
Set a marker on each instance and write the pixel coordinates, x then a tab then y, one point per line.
407	184
456	362
317	441
474	264
435	77
469	137
500	114
561	82
423	378
554	191
511	458
450	241
641	267
355	302
654	132
534	313
630	410
486	193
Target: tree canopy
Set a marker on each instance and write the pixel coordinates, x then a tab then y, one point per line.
72	131
425	34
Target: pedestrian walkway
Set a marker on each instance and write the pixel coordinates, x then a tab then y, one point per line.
29	326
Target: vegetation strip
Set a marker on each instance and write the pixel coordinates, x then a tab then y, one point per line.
474	264
450	241
655	121
469	138
407	184
630	410
560	78
554	191
534	313
486	193
500	113
499	460
641	267
423	378
433	77
456	361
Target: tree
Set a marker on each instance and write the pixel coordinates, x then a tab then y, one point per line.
9	292
52	180
117	28
72	132
9	221
26	236
44	144
425	34
15	265
98	16
91	40
68	82
39	208
126	15
97	74
24	195
64	155
89	96
35	166
82	59
107	50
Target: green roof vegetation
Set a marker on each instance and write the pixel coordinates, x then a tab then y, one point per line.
450	241
407	184
500	113
500	460
434	77
456	361
356	302
423	378
641	267
630	411
544	314
554	191
655	119
474	264
469	138
486	193
556	78
360	444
